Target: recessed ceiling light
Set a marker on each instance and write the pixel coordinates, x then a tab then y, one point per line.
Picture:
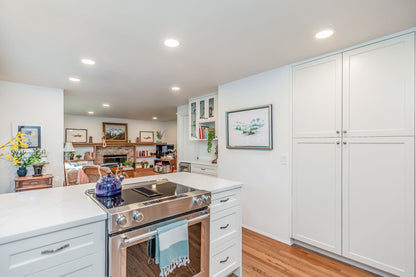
88	61
74	79
324	34
175	88
106	105
171	42
154	118
91	112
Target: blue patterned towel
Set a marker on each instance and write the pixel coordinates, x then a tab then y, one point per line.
172	247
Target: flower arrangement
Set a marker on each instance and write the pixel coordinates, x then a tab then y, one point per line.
16	155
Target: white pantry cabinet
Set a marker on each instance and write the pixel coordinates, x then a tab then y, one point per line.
202	113
317	98
356	198
317	192
378	89
378	210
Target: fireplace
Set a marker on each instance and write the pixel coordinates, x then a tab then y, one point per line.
119	159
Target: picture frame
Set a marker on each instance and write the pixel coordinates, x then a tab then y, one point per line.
250	128
32	141
147	136
76	135
115	131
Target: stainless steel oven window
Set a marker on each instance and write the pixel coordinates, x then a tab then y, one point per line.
128	251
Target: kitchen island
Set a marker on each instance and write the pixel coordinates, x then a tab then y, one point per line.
37	221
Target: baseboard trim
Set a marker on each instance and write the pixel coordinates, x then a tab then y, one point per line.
342	259
285	241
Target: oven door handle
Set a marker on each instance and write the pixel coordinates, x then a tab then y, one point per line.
125	241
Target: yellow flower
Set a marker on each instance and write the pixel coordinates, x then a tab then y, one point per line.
32	134
24	145
14	146
24	138
8	156
11	141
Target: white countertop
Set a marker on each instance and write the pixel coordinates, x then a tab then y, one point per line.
31	213
202	162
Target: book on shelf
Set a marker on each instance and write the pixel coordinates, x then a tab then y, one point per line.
204	131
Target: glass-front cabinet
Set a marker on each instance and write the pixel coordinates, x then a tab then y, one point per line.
202	116
192	120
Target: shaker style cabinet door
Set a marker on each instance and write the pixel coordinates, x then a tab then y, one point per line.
378	91
317	96
317	193
378	203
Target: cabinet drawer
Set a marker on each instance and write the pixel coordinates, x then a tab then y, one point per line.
224	260
225	200
207	170
224	226
38	253
92	265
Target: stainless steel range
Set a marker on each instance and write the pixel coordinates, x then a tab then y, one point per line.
134	215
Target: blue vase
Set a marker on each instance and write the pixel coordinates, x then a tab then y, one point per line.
22	171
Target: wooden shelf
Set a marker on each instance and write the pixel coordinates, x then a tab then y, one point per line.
113	143
141	157
80	160
145	169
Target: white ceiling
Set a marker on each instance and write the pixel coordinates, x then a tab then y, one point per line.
41	43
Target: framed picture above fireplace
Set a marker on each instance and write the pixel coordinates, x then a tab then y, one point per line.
115	131
147	136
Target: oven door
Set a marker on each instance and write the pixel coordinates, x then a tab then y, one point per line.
128	252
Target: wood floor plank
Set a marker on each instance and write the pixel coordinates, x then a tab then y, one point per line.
265	257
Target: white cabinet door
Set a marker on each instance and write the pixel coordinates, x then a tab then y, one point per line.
378	93
317	95
378	203
317	193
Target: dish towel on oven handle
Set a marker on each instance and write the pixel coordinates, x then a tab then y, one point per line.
172	247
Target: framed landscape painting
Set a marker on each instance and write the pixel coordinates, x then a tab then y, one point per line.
33	135
76	135
147	136
115	131
250	128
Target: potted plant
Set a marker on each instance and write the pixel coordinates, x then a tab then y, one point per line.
159	135
210	138
79	156
17	155
127	164
71	155
37	161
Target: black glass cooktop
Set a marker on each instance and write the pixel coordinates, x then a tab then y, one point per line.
147	194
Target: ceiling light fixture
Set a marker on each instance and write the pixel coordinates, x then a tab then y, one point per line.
74	79
324	34
175	88
154	118
88	61
91	112
171	42
106	105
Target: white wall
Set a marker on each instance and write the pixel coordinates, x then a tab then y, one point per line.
94	125
32	105
264	173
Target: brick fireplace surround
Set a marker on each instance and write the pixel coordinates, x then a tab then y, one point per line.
114	150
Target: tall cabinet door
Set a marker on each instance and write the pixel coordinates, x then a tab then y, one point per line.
317	192
317	93
378	203
378	90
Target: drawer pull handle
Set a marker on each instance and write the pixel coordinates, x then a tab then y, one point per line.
226	260
34	183
55	250
224	227
203	168
224	200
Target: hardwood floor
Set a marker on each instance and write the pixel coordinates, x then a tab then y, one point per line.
263	256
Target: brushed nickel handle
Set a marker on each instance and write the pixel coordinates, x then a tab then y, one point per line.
224	227
344	142
34	183
54	250
338	132
345	131
338	142
224	200
203	168
224	261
